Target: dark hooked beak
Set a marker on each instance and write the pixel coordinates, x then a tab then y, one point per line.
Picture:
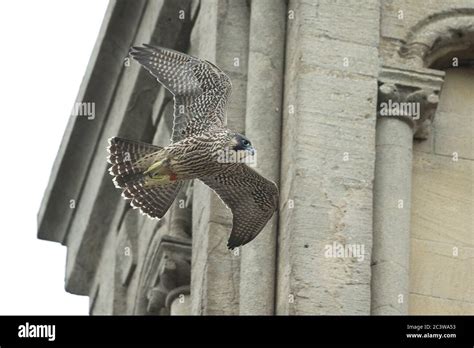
251	151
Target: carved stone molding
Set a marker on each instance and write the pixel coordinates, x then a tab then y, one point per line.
126	247
176	293
437	35
411	96
166	275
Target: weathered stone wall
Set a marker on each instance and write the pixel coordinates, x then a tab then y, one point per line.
308	78
442	237
328	151
434	278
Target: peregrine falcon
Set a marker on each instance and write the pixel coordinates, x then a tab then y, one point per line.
151	176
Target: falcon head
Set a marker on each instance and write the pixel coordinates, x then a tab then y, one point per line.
242	145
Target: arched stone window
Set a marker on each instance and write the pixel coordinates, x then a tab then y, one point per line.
423	203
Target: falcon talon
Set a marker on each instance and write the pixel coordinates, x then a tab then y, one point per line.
201	147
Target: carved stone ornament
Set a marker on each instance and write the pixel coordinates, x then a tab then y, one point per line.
411	96
166	275
434	37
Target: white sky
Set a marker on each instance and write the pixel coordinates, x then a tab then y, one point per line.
45	48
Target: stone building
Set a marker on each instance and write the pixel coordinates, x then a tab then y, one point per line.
376	208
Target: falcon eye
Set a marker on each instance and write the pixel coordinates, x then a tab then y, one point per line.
245	142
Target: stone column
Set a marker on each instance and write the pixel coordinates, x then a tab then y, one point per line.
263	127
220	35
327	157
413	96
392	189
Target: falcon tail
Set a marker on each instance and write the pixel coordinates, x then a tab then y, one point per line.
132	162
130	159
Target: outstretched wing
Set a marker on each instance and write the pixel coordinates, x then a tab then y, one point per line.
200	88
252	199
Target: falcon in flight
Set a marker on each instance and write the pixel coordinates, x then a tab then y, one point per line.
200	148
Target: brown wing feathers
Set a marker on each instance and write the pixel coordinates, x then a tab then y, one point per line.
252	199
200	89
